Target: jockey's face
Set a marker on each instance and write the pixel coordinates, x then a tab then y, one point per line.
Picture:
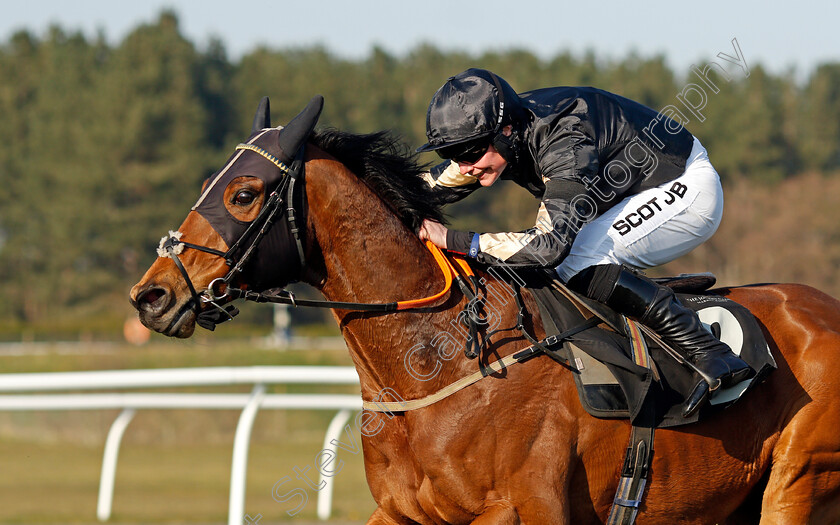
489	167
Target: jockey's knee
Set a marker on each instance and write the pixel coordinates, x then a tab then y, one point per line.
596	282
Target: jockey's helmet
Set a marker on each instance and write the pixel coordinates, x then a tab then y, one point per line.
468	112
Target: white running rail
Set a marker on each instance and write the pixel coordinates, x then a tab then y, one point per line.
249	404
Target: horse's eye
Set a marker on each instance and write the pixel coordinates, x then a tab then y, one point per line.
243	197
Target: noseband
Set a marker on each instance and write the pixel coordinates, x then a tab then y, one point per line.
171	246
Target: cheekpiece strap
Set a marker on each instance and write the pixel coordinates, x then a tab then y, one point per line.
271	158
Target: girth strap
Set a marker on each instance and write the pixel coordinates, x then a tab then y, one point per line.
631	486
639	455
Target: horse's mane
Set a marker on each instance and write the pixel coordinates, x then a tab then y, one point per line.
390	168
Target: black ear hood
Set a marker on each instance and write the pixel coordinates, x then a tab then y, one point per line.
298	130
262	119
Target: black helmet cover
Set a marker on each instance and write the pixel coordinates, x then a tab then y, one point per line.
471	106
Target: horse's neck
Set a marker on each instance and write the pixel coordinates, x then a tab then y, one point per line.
369	256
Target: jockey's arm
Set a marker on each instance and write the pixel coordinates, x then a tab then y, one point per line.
447	180
565	163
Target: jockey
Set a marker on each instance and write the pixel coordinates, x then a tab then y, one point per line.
622	188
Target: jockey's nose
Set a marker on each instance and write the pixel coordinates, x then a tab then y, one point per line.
466	169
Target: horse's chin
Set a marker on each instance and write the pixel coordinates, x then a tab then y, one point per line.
180	323
184	326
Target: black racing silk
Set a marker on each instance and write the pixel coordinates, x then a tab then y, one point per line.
276	255
587	146
592	136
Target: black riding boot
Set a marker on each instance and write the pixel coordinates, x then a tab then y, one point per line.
656	307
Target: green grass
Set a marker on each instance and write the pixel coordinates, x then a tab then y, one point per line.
174	465
186	483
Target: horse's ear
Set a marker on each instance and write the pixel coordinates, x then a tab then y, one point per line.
262	119
299	129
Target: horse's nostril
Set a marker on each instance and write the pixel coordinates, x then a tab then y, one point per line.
152	296
152	299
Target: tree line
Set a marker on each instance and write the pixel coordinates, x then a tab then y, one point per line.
103	147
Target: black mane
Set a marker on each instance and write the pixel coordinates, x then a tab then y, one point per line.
390	168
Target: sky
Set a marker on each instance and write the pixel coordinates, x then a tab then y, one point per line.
782	36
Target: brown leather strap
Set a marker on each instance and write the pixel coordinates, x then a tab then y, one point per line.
414	404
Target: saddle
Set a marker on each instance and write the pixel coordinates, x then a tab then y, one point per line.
623	370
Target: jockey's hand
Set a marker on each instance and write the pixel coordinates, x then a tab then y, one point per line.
433	231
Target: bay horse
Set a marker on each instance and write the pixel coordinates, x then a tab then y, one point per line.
516	447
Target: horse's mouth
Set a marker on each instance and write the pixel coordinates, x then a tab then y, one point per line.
183	323
180	324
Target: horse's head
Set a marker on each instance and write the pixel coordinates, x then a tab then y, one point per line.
242	223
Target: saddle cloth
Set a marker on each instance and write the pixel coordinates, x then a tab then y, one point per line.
611	384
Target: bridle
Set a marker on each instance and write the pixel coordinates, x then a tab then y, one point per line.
256	230
172	246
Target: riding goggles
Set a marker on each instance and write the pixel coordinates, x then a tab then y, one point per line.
468	153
